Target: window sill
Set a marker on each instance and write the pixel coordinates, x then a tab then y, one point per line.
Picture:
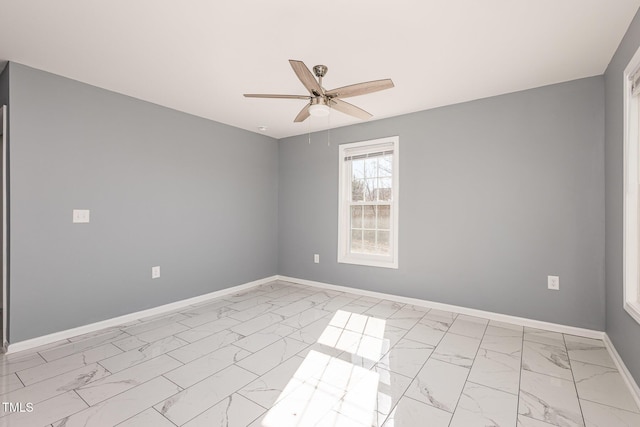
369	262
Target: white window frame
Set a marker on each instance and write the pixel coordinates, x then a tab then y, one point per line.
631	181
344	212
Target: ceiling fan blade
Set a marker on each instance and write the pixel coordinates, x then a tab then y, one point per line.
349	109
303	114
360	88
306	77
265	95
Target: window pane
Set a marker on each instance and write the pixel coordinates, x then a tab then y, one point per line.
357	169
383	242
357	190
356	241
370	187
371	167
385	166
369	216
369	242
384	215
384	189
356	216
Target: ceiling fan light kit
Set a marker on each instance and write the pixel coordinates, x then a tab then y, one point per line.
318	107
321	101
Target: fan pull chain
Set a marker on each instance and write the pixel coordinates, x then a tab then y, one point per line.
329	130
309	130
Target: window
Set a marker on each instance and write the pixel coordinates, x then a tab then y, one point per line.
631	187
368	205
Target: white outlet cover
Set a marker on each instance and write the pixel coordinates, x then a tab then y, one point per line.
553	283
155	272
316	258
81	216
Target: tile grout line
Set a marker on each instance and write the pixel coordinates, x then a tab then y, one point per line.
19	379
484	332
68	416
404	394
75	390
609	406
180	389
59	375
162	415
182	363
491	387
122	392
575	385
520	377
129	389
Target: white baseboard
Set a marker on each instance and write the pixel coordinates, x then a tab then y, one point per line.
622	368
69	333
571	330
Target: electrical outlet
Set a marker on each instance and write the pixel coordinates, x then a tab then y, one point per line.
316	258
155	272
553	282
81	216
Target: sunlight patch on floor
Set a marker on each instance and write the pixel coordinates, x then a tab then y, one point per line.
329	391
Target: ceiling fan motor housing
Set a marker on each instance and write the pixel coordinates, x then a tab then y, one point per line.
320	70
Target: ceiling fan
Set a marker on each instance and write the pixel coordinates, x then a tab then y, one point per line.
321	101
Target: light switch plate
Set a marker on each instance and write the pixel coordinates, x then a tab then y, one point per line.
155	272
81	216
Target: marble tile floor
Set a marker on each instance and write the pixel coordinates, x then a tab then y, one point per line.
284	354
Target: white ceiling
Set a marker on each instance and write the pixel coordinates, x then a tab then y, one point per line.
200	56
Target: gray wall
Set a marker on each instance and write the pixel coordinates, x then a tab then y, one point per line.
165	188
623	330
495	195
